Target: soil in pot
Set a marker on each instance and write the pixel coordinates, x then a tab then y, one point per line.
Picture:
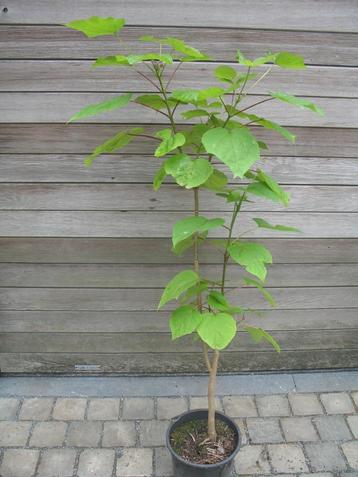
190	441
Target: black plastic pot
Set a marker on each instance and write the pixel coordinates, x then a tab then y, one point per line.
183	468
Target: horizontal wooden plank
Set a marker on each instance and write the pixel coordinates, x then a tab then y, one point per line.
59	107
70	75
157	276
157	322
56	42
183	363
321	15
142	251
171	197
141	169
82	138
159	224
123	299
162	342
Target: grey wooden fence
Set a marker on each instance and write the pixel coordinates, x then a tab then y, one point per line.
84	253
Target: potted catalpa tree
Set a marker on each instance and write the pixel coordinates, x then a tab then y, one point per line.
209	144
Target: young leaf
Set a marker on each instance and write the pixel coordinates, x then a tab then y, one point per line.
269	298
193	291
262	190
153	101
187	172
216	182
185	228
252	256
258	334
242	60
217	331
225	73
300	102
183	321
116	142
130	60
288	60
282	195
178	285
97	26
266	123
263	224
195	113
169	143
178	45
218	301
237	148
105	106
160	175
197	95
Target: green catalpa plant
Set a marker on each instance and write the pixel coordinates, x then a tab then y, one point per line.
217	132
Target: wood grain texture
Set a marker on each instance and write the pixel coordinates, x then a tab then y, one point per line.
158	251
28	138
122	299
183	363
62	76
158	322
320	15
59	107
127	168
159	224
156	276
170	198
56	42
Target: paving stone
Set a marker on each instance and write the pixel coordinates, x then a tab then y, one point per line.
350	450
106	409
355	398
298	429
276	405
48	434
96	463
163	462
36	409
287	458
57	463
19	463
337	403
264	430
152	433
138	408
325	456
332	428
14	433
170	407
135	463
69	409
119	434
84	434
319	474
353	424
8	408
239	406
201	402
305	404
252	460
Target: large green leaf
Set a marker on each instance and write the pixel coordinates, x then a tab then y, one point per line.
281	194
97	26
218	301
153	101
105	106
178	285
258	334
187	172
237	148
116	142
169	142
263	224
216	182
288	60
183	321
268	124
195	113
262	190
252	256
185	228
300	102
225	73
268	297
218	330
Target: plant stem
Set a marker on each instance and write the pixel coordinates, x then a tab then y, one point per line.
211	396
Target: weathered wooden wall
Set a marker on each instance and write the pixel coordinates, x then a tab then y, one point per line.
84	253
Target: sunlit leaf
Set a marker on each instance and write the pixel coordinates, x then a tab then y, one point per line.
252	256
97	26
183	321
217	330
188	172
185	228
104	107
300	102
178	285
283	228
169	143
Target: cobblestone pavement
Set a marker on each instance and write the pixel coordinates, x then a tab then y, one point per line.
295	433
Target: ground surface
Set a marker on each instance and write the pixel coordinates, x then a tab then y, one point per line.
114	427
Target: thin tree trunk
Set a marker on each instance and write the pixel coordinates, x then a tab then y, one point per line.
212	395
